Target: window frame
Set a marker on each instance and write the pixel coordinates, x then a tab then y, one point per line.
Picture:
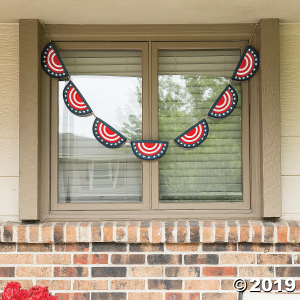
265	181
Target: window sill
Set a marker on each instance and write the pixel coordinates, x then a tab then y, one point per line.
183	232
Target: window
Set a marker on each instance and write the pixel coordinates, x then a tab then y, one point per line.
157	72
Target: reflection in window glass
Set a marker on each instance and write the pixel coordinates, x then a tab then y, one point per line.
110	81
189	83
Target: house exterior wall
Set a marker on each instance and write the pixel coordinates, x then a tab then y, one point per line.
9	122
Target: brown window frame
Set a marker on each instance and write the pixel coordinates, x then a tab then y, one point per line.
261	157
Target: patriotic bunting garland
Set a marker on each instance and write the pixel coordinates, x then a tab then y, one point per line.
146	149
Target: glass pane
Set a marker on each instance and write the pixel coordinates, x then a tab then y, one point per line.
88	171
189	83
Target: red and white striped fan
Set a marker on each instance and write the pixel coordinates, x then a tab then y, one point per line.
52	63
107	135
247	65
74	100
194	136
149	150
225	104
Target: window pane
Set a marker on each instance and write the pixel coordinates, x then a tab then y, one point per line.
189	83
110	81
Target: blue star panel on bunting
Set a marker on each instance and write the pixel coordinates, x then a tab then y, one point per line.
194	136
225	104
107	135
74	100
247	65
52	63
149	150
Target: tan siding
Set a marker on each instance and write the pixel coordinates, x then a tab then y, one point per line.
290	120
9	122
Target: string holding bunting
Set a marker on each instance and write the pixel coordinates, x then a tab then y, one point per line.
247	65
225	104
107	135
194	136
149	150
52	62
75	102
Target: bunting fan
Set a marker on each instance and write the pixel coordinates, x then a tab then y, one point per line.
52	63
74	100
149	150
194	136
107	135
247	65
225	104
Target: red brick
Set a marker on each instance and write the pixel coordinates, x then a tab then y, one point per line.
256	271
233	232
219	231
108	296
70	272
128	259
182	247
94	259
69	247
34	247
256	231
157	232
121	231
144	232
181	232
287	271
287	248
201	259
145	296
72	296
170	232
57	259
59	233
7	272
235	258
34	272
21	230
282	233
219	271
219	296
127	284
26	284
11	259
93	285
219	247
146	247
194	232
71	236
182	272
133	232
108	232
34	233
7	247
294	231
274	259
269	232
202	285
55	284
46	233
164	284
7	233
96	232
255	247
182	296
244	230
146	271
207	232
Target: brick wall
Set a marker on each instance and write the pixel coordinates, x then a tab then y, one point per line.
148	260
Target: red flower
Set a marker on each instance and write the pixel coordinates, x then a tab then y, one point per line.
13	291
